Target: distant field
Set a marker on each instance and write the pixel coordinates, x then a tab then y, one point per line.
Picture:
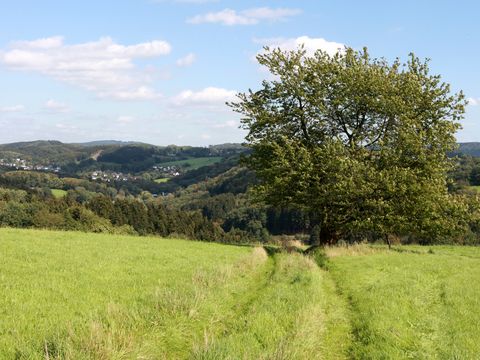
194	163
58	193
474	187
85	296
162	180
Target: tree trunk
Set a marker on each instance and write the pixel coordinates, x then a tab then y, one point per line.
387	240
328	237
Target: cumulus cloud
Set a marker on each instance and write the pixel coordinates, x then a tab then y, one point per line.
43	43
12	109
252	16
207	96
473	101
266	13
140	93
310	44
187	60
56	107
101	66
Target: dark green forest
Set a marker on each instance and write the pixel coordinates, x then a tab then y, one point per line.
211	203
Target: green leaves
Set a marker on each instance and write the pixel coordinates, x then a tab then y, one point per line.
358	141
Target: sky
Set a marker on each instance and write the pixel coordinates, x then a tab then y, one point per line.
160	71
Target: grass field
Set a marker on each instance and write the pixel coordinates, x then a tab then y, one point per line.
162	180
194	163
474	187
85	296
58	193
414	302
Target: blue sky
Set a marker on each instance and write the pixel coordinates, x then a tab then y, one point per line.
160	71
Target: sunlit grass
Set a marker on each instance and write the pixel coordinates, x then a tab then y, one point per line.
97	296
71	295
194	163
162	180
88	296
416	302
58	193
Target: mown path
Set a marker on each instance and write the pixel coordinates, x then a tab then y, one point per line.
411	302
291	311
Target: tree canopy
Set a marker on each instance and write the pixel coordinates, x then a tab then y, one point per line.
359	142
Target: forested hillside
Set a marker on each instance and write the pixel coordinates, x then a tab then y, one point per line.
198	199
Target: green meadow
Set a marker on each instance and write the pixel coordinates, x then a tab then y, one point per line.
412	302
194	163
84	296
68	295
58	193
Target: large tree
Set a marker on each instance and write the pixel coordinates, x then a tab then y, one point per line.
358	142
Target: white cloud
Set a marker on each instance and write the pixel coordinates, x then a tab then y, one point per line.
252	16
140	93
56	107
310	44
225	17
44	43
207	96
473	101
266	13
11	109
187	60
101	66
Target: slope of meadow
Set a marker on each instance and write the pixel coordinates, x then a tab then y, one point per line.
101	296
413	302
71	295
85	296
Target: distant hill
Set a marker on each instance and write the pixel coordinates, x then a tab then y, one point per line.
469	148
43	151
108	143
123	156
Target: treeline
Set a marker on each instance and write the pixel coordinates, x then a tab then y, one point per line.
22	209
225	200
466	172
45	152
139	158
121	157
212	203
215	208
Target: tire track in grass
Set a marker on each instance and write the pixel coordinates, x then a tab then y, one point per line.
243	303
285	316
210	305
341	332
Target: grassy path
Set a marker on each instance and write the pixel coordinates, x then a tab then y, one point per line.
85	296
294	313
414	302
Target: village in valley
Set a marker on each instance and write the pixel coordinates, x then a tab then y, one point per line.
163	172
22	164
